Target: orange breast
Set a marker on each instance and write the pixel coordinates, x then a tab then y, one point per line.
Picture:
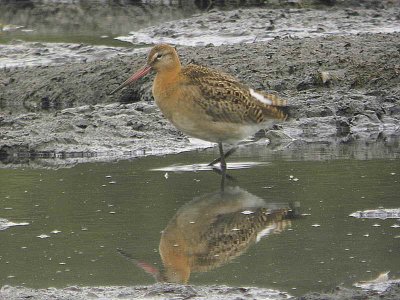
179	98
174	255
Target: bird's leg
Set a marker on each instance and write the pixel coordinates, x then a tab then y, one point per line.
223	156
222	173
223	176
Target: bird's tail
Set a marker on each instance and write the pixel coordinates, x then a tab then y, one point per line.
276	100
278	109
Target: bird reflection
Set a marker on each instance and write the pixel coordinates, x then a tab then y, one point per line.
212	230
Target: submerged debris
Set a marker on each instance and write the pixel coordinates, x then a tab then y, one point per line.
382	213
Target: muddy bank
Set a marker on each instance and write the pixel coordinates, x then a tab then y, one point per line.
340	88
249	25
97	22
215	27
168	291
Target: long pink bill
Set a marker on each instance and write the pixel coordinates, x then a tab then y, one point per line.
149	269
139	74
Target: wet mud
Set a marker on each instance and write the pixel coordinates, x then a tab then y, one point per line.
170	291
250	25
339	88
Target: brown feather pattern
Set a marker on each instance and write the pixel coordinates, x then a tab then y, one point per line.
226	100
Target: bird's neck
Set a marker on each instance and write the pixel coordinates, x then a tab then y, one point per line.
167	76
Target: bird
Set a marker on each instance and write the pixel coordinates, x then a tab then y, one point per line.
214	229
206	103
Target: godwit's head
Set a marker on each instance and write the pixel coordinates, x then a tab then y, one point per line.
161	57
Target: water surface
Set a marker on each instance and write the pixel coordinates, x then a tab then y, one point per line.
91	22
79	216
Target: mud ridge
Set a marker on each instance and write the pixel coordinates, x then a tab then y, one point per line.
170	291
340	88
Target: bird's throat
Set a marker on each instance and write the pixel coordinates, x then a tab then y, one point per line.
165	80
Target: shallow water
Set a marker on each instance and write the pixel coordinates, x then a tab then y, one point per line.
79	216
91	22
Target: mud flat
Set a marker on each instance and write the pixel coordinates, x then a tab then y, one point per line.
168	291
340	88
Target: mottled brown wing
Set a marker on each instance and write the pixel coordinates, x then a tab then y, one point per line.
225	99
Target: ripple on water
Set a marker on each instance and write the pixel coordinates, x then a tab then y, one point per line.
5	224
206	167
